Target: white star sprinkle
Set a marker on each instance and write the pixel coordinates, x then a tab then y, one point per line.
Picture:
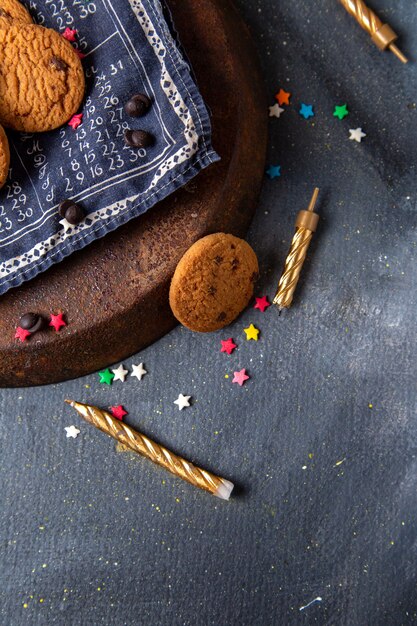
275	111
182	401
120	373
356	134
66	225
138	371
72	431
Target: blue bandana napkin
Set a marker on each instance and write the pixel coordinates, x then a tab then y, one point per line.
128	49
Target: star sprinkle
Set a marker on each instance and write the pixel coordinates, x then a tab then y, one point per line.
106	377
228	345
306	111
182	401
138	371
69	34
356	134
340	111
274	171
240	377
275	111
251	333
120	373
76	121
118	412
283	97
72	432
262	303
57	321
21	334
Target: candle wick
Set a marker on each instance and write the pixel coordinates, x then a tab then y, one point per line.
313	199
398	53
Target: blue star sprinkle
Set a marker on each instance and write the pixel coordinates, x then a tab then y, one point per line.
306	110
274	171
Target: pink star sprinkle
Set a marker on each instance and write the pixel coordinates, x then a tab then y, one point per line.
21	334
240	377
228	345
56	321
76	121
79	54
118	412
262	303
69	34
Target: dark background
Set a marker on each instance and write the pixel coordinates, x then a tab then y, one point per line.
322	439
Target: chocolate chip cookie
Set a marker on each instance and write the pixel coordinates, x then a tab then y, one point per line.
41	77
4	157
15	11
213	282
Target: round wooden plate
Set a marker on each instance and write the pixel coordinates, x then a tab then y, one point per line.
114	293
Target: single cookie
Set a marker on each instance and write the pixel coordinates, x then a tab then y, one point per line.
213	282
4	157
41	77
14	10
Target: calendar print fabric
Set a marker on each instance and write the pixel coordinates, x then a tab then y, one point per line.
128	48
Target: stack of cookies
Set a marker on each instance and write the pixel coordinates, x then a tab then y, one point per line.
41	77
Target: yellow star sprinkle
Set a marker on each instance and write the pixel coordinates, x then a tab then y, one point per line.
251	333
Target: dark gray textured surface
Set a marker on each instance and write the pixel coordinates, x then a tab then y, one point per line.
91	536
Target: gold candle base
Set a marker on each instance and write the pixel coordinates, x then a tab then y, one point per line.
381	34
219	487
306	224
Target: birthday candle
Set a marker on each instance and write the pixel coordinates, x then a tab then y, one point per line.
382	34
137	442
305	226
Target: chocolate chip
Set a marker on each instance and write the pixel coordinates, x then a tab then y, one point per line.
4	13
138	138
218	259
235	264
63	206
221	316
28	320
138	105
71	211
59	64
212	290
74	214
32	322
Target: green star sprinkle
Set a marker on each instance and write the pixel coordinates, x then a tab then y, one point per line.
106	377
341	111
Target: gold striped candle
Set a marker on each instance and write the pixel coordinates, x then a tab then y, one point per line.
219	487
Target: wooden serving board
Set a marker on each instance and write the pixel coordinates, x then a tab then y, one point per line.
115	292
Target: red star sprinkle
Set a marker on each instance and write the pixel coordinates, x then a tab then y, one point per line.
118	411
228	345
240	377
56	321
262	303
69	34
283	97
79	54
21	334
76	121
